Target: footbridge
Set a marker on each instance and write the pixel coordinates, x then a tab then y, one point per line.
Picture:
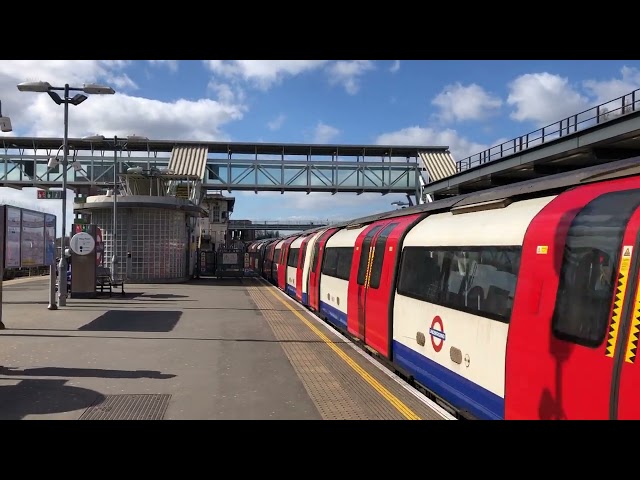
604	133
299	225
190	169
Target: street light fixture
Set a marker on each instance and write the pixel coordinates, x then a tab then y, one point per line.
46	87
102	138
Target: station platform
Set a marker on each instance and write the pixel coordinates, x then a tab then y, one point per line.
205	350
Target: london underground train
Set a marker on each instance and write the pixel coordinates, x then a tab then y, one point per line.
517	302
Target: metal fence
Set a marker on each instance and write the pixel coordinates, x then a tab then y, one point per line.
604	112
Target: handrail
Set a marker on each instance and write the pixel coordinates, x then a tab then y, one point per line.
624	104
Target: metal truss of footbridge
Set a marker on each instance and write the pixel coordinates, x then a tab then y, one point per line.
384	169
260	225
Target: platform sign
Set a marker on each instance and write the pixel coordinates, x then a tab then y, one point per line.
30	237
49	194
32	243
13	222
82	243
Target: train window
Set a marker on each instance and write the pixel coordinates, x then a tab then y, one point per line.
345	257
588	274
314	256
276	256
364	254
293	257
478	280
378	255
303	253
330	262
337	262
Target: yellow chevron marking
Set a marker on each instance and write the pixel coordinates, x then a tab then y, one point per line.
632	343
619	292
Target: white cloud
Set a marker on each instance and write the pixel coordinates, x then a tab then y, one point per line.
395	67
324	133
121	82
34	114
170	64
460	147
348	73
276	123
458	103
544	98
227	94
317	206
604	91
262	73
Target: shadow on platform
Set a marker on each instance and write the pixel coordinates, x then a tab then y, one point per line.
38	397
83	372
134	321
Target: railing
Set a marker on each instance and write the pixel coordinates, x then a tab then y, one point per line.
254	223
593	116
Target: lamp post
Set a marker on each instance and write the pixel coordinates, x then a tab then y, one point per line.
102	138
90	88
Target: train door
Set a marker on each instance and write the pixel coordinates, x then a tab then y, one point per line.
360	269
316	268
284	260
374	282
300	267
267	264
570	354
277	253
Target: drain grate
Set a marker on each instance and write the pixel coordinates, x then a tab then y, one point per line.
128	407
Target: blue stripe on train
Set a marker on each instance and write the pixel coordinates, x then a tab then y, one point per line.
335	316
305	299
291	291
455	389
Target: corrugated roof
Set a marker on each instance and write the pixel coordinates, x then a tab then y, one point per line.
189	160
439	165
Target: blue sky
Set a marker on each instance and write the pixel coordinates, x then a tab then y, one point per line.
466	105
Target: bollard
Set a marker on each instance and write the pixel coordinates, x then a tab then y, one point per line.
52	287
62	265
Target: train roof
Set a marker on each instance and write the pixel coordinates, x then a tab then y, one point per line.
547	185
502	195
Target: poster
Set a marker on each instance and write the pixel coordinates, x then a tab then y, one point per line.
50	239
32	245
12	238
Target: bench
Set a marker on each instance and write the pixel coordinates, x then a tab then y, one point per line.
105	280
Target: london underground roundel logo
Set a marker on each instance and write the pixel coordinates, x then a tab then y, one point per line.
437	333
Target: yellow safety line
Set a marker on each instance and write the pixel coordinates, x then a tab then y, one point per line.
390	397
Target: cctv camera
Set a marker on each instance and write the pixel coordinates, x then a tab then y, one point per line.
5	124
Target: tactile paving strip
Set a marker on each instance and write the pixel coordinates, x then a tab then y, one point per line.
128	407
337	390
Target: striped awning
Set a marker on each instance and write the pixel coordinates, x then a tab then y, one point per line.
439	164
189	160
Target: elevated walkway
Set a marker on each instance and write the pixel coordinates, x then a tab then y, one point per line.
602	134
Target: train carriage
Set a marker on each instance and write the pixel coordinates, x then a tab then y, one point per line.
574	329
291	273
371	281
335	273
315	270
516	302
452	307
310	252
298	269
283	264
